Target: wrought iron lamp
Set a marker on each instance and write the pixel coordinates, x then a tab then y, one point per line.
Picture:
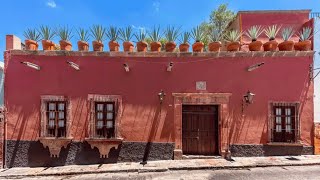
247	99
161	95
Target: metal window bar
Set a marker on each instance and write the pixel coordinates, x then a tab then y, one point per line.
104	131
273	116
56	130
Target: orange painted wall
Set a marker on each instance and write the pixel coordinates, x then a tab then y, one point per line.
280	79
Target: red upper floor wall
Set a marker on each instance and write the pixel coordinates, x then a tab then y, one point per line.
297	19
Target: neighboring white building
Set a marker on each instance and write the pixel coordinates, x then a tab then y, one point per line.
317	65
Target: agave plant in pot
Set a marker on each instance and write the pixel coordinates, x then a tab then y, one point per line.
126	35
141	38
32	37
232	37
198	36
155	36
271	32
184	42
304	43
47	34
171	35
215	44
65	35
113	35
83	44
253	33
98	32
287	45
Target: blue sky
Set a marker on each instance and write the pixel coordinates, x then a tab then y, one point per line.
18	15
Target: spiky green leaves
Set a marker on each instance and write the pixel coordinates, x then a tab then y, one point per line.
172	33
155	34
46	32
64	33
98	32
197	34
305	34
126	33
272	31
112	33
185	38
141	36
254	32
232	36
83	34
32	34
215	35
287	33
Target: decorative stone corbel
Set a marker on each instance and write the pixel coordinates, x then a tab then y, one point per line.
54	144
104	145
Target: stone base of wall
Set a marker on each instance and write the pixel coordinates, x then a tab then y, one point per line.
242	150
33	154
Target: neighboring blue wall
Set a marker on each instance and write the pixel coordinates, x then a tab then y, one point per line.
317	65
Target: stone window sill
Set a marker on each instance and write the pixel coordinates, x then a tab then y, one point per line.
55	144
284	144
104	145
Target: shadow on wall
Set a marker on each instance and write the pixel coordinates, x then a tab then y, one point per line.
23	153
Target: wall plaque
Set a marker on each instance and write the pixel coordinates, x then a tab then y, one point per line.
201	85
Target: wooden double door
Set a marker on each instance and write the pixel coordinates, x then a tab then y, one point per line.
200	129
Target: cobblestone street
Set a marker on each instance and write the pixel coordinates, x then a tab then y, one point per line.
288	172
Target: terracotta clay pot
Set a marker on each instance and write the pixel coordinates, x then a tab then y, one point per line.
31	45
233	46
97	45
155	46
270	45
128	46
83	46
170	46
255	46
184	47
197	47
114	46
65	45
303	46
47	45
142	46
286	46
214	46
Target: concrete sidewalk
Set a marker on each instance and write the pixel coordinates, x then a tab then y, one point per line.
162	166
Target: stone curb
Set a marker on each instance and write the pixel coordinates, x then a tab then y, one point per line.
142	170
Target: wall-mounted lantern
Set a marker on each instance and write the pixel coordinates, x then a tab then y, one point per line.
126	67
247	99
161	95
170	66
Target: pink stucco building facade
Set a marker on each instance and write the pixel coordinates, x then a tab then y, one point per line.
154	112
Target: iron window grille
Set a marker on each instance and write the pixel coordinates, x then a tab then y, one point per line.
56	118
284	122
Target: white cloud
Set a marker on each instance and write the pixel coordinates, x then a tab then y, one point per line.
156	6
139	28
51	4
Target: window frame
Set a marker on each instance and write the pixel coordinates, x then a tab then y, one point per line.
56	119
96	98
45	100
105	130
295	122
